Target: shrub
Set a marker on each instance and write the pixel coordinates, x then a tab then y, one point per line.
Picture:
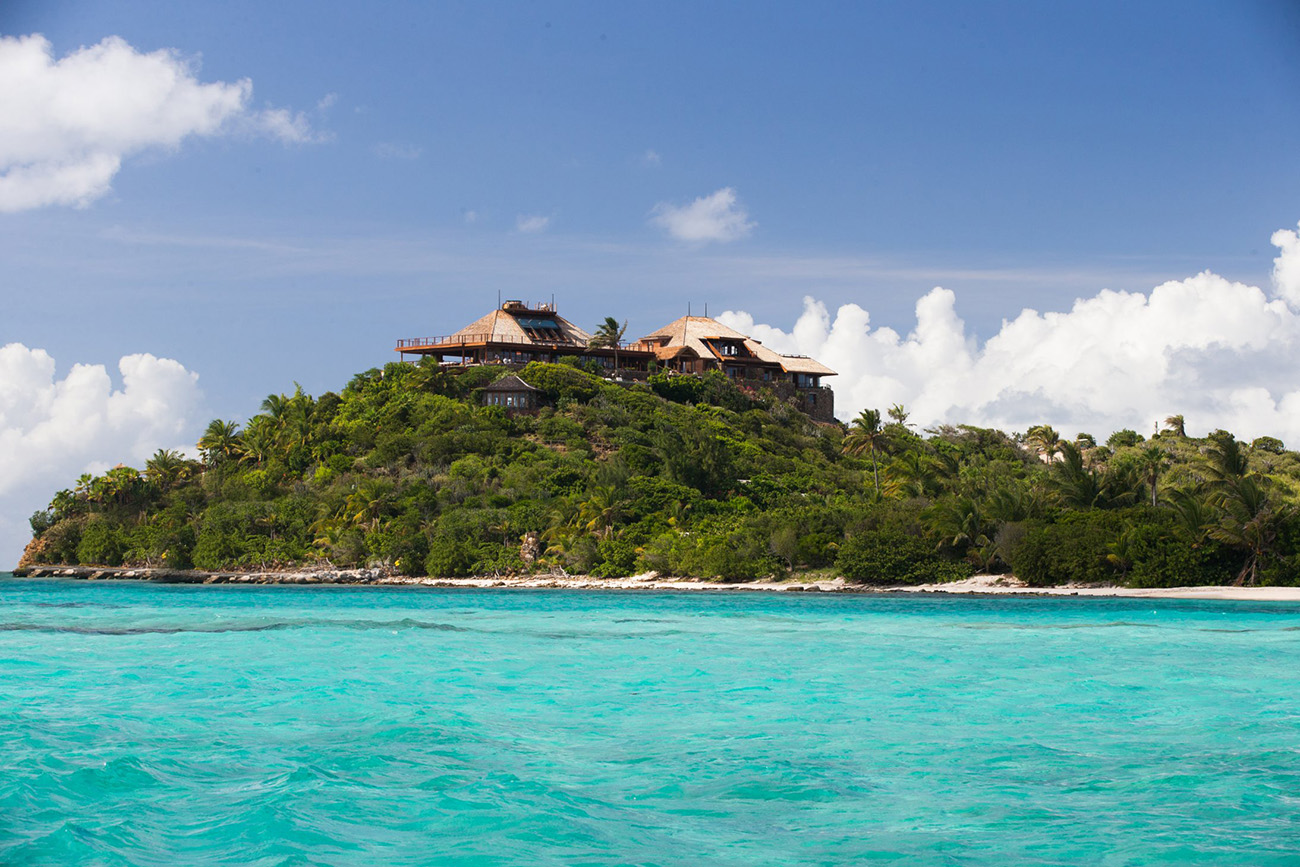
1072	549
62	539
678	388
891	557
560	381
1123	439
101	544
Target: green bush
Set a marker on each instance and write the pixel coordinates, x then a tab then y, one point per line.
101	544
891	557
1073	549
561	381
679	388
61	540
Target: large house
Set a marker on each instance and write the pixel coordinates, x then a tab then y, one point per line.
517	333
694	344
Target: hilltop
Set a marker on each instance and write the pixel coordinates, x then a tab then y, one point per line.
406	470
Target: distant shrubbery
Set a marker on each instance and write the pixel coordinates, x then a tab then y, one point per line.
686	476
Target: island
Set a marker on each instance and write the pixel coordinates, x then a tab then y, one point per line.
695	453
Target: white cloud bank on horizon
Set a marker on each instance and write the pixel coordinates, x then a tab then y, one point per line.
52	430
1222	354
716	217
66	125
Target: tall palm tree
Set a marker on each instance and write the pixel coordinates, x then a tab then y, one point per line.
608	336
1153	460
1177	426
866	435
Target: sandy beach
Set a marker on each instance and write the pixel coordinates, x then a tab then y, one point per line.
995	585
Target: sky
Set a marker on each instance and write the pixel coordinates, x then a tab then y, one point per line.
999	213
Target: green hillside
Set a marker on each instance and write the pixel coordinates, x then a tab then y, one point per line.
686	476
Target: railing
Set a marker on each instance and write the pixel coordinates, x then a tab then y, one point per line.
483	339
478	339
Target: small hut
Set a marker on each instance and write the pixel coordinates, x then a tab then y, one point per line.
511	394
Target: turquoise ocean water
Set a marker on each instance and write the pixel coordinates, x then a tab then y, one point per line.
159	725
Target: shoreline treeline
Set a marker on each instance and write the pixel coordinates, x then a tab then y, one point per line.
684	476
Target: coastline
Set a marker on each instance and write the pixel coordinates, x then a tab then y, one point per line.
986	585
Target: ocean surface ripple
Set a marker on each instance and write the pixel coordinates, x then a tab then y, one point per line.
160	725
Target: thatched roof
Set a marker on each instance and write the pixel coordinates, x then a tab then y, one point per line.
524	326
510	382
701	334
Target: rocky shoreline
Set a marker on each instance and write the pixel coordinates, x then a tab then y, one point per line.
388	577
991	585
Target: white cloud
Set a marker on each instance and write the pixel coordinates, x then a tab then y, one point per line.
66	125
716	217
470	217
1223	354
389	150
1286	267
52	430
652	158
532	224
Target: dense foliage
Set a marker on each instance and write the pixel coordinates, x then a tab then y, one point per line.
682	475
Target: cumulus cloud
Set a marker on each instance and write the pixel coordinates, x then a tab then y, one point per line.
52	430
1221	353
715	217
1286	267
532	224
66	125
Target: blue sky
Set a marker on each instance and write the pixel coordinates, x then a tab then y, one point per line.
428	156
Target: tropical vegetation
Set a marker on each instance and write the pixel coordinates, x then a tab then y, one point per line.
682	475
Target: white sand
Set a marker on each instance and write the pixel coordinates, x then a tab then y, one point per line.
990	584
1005	584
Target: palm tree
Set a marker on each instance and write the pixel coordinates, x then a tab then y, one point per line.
1079	486
1192	512
1046	439
914	472
219	442
866	434
899	414
367	503
1249	520
166	468
257	440
1153	460
601	511
1177	426
608	336
1228	460
961	525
